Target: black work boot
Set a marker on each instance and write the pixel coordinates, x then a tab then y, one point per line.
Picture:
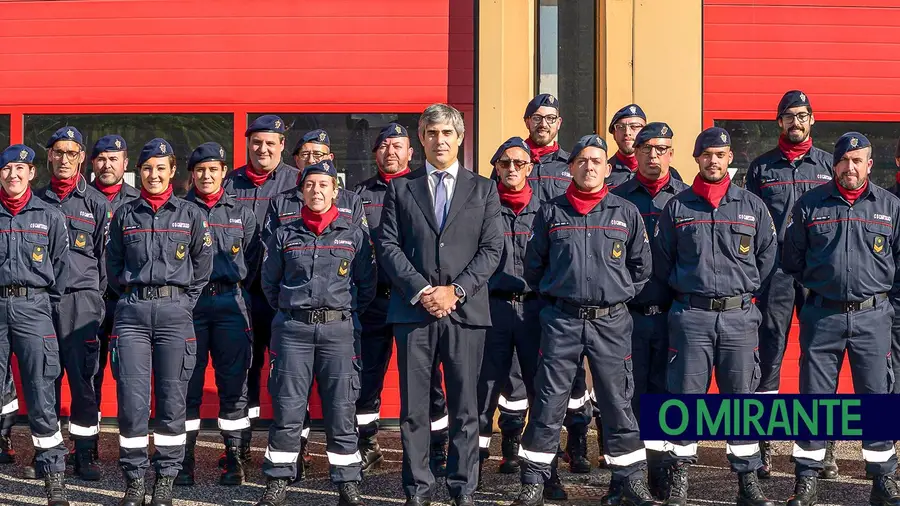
275	494
350	495
162	491
531	494
613	496
85	467
371	453
245	456
509	448
678	484
765	453
134	492
830	471
805	492
576	450
885	491
438	458
95	448
636	493
233	472
553	487
749	491
185	476
32	471
55	488
7	453
658	480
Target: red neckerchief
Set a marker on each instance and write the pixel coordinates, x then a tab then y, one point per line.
156	201
388	177
63	187
852	195
15	205
255	177
794	151
538	152
582	201
629	161
515	200
210	199
653	185
711	192
317	222
110	191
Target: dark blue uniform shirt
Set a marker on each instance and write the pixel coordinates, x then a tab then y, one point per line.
551	176
711	252
285	208
257	198
621	173
510	274
235	248
844	252
34	248
126	193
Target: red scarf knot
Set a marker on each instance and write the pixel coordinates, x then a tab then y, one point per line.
210	199
256	177
63	187
583	201
516	200
157	201
110	191
388	177
629	161
711	192
793	151
538	152
654	186
852	195
15	205
318	222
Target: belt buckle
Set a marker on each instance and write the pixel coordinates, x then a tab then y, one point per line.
717	304
652	311
588	313
150	292
316	316
850	307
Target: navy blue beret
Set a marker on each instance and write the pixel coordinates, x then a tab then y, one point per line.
793	98
108	143
317	136
544	99
207	152
324	167
512	142
629	111
156	147
17	153
713	137
66	133
266	123
588	141
655	130
850	141
389	132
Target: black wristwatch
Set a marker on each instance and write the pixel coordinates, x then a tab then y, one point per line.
459	292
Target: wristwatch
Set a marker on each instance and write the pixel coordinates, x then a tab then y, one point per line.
459	292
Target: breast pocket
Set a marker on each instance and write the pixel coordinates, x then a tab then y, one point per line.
742	240
136	254
35	250
689	239
231	241
820	234
560	246
178	247
878	239
81	235
614	245
341	260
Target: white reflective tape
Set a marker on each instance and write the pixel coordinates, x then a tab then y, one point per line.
814	455
305	433
537	457
593	396
509	405
48	442
657	446
878	457
742	450
336	459
164	440
367	418
192	425
281	457
627	459
484	441
770	392
10	407
239	424
134	442
683	450
441	424
80	430
578	403
253	412
99	417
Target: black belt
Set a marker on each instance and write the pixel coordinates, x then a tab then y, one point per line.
648	309
383	291
585	312
513	296
714	303
216	288
153	292
845	306
19	291
317	315
110	295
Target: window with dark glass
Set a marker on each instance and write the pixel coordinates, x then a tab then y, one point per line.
4	131
352	137
567	63
750	139
183	131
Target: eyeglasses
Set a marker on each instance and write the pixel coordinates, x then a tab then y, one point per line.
621	127
506	163
660	149
537	119
315	155
70	155
803	117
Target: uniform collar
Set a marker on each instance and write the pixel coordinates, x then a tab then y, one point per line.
172	202
734	193
243	171
633	185
833	192
609	201
533	206
339	223
80	189
225	199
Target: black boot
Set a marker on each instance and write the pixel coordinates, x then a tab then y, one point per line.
532	494
553	488
885	491
438	459
509	447
765	453
185	476
678	484
233	472
576	450
55	487
350	495
85	467
7	453
613	496
805	492
134	493
304	452
162	491
636	493
371	453
95	448
276	493
658	478
830	472
749	491
304	461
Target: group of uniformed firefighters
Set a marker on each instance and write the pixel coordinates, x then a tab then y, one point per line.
611	258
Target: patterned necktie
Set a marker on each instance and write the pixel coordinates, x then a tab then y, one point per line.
440	199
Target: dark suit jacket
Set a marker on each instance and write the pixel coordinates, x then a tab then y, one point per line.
415	254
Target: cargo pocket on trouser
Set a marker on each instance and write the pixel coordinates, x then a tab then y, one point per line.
629	378
249	354
91	358
355	387
52	367
890	374
190	359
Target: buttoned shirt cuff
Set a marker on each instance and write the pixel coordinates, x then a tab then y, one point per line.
415	300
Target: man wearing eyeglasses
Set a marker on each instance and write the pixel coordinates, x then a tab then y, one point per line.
313	147
625	125
780	177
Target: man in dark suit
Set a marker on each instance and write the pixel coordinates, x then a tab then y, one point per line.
440	240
